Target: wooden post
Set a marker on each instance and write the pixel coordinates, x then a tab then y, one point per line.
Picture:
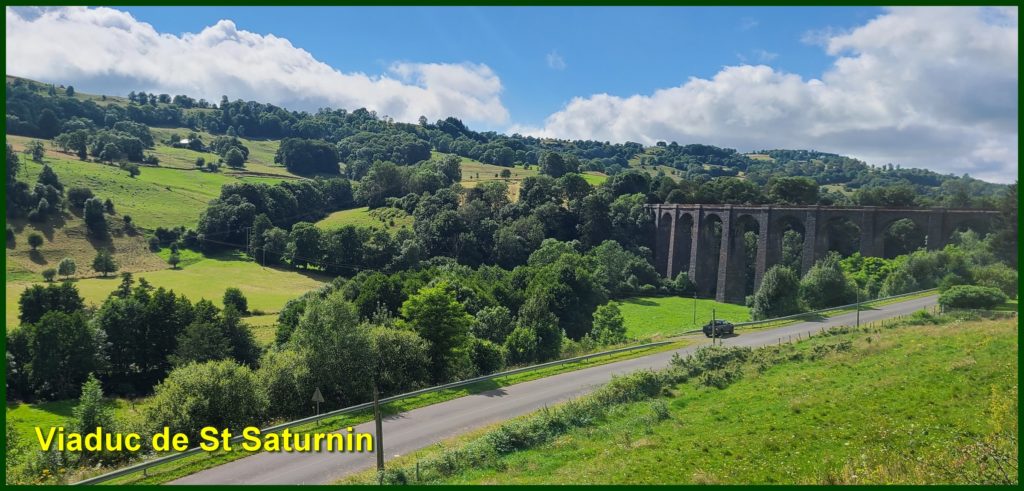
380	429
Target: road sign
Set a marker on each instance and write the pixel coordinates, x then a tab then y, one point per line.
317	396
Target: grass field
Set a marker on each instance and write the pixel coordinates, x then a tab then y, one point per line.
261	153
159	196
69	239
267	289
24	418
660	316
391	219
901	406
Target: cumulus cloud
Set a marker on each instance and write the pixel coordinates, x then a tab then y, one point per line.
923	87
110	50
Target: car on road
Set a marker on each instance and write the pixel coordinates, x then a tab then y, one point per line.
718	328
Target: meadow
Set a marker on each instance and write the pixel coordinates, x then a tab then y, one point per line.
648	317
267	289
898	406
157	197
391	219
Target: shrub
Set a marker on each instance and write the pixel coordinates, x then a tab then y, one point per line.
222	393
49	274
609	326
487	356
971	297
998	275
522	346
825	285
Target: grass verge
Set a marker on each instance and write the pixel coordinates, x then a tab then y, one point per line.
192	464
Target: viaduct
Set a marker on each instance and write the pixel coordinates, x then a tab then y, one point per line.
706	241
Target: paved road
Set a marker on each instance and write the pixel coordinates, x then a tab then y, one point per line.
410	431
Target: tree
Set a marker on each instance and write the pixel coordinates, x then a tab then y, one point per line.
200	162
108	206
609	326
552	164
487	357
439	318
333	346
234	298
543	327
493	323
234	159
67	267
201	341
77	196
401	359
70	91
225	394
792	190
35	240
825	284
521	346
95	220
35	150
104	263
49	274
174	259
92	413
64	350
303	245
37	300
303	156
778	294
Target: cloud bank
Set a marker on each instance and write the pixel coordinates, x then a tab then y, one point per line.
109	49
923	87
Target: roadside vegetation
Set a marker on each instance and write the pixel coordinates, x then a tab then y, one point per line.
927	399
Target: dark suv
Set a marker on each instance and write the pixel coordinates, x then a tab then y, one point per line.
718	328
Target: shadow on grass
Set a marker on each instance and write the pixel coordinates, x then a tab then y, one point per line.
640	301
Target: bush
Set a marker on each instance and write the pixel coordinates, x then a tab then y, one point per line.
222	393
522	346
998	275
609	326
487	356
49	274
971	297
825	285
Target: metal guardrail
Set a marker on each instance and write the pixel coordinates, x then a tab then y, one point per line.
830	309
141	466
802	315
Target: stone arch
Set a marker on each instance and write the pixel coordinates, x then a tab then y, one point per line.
840	233
707	254
980	224
662	243
744	240
902	235
683	243
779	251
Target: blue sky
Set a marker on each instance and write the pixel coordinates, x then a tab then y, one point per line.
918	87
615	50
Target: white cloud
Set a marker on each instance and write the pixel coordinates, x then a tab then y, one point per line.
555	61
108	49
924	87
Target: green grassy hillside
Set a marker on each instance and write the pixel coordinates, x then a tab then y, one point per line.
267	289
384	218
659	316
903	405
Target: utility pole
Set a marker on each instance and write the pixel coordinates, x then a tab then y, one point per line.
380	429
694	307
714	328
858	308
